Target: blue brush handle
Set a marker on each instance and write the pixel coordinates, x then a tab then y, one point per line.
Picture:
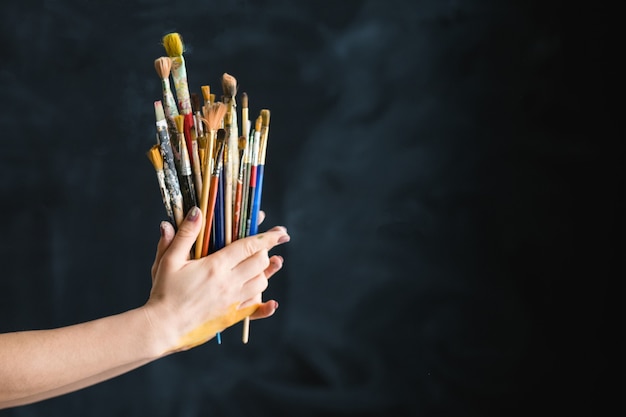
220	237
256	205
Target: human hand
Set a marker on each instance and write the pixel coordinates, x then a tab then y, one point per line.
192	300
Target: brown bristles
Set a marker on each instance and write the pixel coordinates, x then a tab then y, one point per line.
244	100
211	98
265	116
257	124
241	143
154	155
163	66
221	135
195	102
229	86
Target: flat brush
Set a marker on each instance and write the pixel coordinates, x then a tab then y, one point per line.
185	176
154	155
169	167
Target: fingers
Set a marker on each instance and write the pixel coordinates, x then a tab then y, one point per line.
260	217
265	310
167	235
186	235
242	249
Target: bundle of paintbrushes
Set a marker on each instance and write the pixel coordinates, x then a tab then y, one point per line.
203	158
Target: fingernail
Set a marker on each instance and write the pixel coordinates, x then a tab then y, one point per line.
284	239
193	214
279	228
162	227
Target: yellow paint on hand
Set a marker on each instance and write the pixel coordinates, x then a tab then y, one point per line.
209	329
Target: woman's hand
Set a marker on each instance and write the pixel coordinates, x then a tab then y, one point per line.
192	300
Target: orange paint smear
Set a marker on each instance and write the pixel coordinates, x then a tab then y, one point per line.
209	329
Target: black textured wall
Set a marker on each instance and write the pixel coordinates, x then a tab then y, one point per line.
447	172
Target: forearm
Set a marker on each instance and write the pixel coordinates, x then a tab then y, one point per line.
40	364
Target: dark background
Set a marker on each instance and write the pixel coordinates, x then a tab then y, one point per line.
448	171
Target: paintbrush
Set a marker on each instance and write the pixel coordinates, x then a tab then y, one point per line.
174	47
219	239
252	202
154	155
242	144
254	156
229	88
245	118
185	176
213	184
256	206
169	167
163	66
206	94
196	132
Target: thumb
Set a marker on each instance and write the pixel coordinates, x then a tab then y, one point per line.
186	235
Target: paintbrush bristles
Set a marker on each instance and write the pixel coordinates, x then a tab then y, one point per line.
265	117
214	114
163	66
173	44
154	155
206	93
257	124
244	100
229	86
180	123
195	102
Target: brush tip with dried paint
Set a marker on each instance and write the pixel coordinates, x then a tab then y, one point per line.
229	85
244	100
173	44
241	143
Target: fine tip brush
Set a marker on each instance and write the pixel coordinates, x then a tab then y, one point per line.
229	89
196	133
242	144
